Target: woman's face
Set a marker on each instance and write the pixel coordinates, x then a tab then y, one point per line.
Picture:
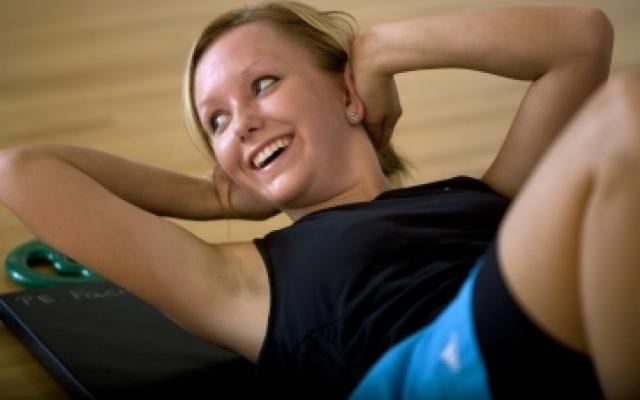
276	121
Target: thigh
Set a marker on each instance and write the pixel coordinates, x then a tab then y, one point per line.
513	348
539	239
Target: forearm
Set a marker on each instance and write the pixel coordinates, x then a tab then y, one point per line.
564	51
521	43
156	190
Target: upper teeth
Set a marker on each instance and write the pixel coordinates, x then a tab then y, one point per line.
268	151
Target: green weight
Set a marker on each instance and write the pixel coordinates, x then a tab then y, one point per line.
67	271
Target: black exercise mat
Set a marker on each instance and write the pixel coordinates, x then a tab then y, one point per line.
101	342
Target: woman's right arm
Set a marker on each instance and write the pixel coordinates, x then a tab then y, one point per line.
90	208
159	191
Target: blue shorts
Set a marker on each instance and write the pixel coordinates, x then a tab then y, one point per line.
440	361
482	346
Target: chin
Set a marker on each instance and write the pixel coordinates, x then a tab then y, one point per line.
284	199
287	192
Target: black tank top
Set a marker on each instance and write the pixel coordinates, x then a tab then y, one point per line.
349	282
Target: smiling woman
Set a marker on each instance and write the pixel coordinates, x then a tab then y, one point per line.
323	40
327	160
375	292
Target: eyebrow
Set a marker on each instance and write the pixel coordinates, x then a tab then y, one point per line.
214	96
206	100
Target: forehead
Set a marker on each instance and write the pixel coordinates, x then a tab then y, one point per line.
256	45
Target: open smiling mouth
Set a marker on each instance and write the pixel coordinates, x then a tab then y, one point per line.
267	155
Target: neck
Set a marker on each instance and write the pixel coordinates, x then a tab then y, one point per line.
360	192
365	184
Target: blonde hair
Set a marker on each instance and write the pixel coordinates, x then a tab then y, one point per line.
327	34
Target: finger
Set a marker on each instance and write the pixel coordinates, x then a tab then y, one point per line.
208	175
223	188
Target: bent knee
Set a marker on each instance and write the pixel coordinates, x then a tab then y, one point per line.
622	96
613	122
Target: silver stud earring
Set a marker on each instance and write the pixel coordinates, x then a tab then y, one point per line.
353	117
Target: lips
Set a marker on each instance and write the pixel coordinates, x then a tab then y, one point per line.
264	155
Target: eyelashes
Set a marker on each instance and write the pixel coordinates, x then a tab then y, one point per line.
216	120
219	118
261	84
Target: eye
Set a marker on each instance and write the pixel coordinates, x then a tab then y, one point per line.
262	83
217	120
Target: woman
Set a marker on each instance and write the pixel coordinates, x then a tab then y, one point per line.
299	115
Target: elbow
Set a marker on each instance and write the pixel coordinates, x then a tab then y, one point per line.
8	160
593	37
13	158
9	165
14	163
584	41
599	33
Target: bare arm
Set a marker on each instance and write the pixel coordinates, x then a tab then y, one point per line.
564	51
159	191
219	292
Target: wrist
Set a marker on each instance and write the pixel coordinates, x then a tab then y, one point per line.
210	200
390	48
368	51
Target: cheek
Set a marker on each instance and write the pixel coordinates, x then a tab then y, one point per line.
328	123
326	109
320	115
225	155
313	98
229	159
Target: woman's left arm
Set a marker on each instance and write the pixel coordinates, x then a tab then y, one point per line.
564	51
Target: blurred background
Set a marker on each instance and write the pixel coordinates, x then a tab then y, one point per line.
107	74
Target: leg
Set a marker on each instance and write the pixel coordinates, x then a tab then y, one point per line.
610	280
566	246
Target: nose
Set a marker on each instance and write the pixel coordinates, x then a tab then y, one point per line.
247	122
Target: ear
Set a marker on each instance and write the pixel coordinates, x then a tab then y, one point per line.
352	99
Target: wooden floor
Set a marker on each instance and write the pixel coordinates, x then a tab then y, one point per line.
107	75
